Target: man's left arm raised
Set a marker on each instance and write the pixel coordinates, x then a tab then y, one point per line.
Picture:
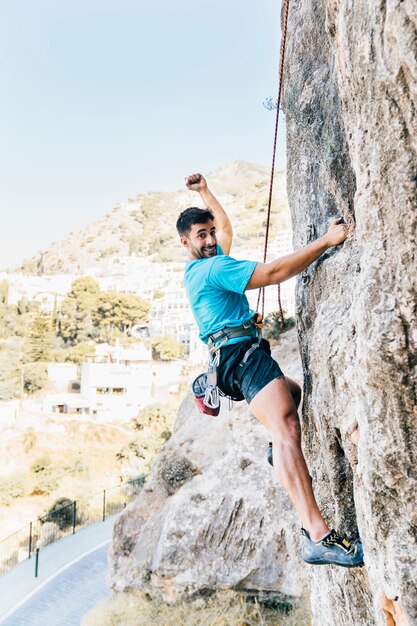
224	230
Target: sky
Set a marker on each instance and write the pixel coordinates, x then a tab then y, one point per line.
106	99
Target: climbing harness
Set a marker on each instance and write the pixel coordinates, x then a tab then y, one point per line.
206	392
261	294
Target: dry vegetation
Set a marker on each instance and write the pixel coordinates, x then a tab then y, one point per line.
225	608
51	460
69	458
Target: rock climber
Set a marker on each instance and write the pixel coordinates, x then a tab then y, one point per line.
216	285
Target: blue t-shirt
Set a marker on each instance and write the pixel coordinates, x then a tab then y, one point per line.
215	287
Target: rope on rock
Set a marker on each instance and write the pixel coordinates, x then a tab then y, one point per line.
261	294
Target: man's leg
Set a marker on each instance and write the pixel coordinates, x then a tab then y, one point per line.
275	407
295	391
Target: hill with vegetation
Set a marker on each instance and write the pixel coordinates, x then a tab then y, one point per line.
144	226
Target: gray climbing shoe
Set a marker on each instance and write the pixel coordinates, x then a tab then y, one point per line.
333	549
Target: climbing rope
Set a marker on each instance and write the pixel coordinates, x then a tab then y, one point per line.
261	294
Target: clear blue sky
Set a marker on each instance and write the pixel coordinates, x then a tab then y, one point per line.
105	99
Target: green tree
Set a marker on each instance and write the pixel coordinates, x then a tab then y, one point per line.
23	306
78	353
40	337
77	307
119	310
35	377
9	373
166	348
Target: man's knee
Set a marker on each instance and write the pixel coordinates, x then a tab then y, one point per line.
287	427
295	391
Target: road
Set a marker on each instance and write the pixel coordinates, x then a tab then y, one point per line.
72	580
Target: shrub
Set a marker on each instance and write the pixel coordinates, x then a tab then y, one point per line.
41	464
29	440
45	483
61	513
11	487
174	471
158	416
273	325
166	348
78	353
47	476
35	377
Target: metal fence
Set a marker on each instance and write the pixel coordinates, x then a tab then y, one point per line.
66	520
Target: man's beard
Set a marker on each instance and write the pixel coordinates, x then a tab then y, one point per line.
205	252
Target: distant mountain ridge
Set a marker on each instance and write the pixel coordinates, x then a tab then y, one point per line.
145	225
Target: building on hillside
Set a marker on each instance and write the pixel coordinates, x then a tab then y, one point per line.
171	315
115	384
137	276
43	289
105	353
116	391
63	375
67	403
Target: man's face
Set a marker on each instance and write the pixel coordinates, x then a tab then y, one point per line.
201	241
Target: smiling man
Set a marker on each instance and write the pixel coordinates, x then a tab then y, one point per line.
216	285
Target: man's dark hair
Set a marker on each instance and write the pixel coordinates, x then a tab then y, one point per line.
192	216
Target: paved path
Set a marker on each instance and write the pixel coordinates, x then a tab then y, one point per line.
71	581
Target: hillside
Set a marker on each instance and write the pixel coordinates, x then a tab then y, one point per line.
145	225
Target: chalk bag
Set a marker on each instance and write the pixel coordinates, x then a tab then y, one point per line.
206	396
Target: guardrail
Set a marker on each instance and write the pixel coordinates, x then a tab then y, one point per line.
66	520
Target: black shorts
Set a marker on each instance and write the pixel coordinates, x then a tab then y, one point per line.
249	379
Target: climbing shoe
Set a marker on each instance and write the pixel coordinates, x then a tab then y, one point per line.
333	549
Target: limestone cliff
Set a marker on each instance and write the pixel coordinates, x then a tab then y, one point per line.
350	96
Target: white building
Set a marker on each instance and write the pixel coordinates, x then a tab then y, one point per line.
116	391
43	289
68	404
62	373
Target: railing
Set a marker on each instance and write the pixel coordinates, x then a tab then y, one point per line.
65	520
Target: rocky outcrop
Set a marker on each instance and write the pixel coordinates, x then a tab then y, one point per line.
350	96
212	515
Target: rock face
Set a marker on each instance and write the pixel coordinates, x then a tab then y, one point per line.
212	514
350	95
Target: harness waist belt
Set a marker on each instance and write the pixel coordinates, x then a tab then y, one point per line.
246	330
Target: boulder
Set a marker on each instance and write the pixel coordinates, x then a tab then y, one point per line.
211	515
